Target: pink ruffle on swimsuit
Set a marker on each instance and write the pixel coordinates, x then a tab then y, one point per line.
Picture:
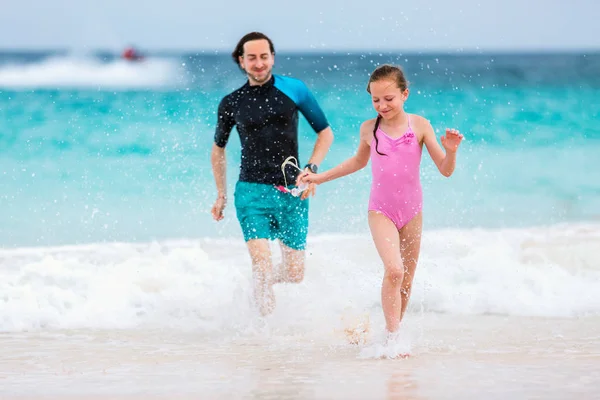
396	188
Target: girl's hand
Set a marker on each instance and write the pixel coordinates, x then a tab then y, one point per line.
451	140
309	177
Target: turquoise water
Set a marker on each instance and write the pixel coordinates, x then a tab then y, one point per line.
95	150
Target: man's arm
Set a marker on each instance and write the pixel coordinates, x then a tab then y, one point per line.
315	116
320	150
322	146
219	168
225	123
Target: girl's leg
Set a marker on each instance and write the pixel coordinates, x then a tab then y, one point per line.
387	241
410	246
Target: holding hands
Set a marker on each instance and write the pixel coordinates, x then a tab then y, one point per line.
310	190
311	179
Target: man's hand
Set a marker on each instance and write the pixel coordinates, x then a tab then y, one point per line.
218	207
312	188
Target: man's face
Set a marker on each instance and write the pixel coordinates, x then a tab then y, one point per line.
257	61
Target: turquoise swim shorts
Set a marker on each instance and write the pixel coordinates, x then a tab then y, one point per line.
267	213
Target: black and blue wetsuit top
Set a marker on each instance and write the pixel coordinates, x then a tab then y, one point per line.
266	118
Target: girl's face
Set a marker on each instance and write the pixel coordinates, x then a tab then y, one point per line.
388	99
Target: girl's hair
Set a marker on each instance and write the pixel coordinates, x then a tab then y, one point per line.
239	47
390	72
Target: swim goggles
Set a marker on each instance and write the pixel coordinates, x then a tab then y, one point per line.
291	160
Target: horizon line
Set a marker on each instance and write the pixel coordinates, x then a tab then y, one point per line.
465	51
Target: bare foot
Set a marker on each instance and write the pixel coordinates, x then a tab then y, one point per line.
393	341
265	299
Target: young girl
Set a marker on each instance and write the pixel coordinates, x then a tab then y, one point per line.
393	141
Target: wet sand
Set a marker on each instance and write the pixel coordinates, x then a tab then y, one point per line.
451	357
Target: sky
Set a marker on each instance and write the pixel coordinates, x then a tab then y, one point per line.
316	25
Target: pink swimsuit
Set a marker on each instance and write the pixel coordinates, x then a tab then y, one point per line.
396	188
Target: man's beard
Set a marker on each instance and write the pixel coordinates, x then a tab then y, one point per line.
263	78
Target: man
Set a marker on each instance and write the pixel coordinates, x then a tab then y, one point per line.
265	111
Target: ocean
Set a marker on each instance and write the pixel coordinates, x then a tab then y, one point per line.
113	273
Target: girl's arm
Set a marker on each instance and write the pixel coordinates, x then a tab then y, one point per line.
351	165
444	162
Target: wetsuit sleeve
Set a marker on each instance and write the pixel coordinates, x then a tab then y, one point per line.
225	123
296	90
309	107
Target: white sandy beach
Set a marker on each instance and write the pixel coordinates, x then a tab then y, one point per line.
452	357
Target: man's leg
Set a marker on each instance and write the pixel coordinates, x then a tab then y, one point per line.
254	204
292	233
262	272
292	270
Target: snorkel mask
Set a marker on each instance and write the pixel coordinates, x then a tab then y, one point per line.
296	191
